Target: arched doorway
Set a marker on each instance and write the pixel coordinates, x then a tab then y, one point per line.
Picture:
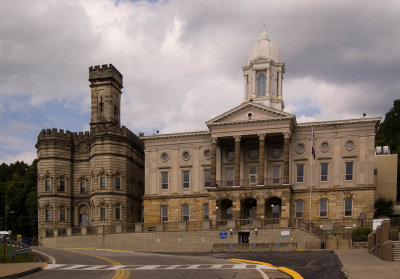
273	207
83	215
224	211
248	210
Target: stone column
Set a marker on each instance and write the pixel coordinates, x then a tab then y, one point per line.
236	171
213	162
261	160
286	137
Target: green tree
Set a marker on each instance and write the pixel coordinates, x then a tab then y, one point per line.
389	134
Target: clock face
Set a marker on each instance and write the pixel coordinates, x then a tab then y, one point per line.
164	156
185	155
349	145
324	146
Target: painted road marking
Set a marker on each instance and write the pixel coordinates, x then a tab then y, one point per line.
154	267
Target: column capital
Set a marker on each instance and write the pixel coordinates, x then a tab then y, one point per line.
214	140
261	136
237	138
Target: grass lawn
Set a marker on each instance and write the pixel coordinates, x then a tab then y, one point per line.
30	257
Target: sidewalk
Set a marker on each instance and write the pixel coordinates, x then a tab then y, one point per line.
15	270
359	264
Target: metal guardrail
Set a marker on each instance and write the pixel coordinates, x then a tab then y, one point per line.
22	248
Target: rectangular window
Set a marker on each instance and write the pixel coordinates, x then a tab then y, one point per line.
205	211
48	214
185	212
300	173
103	182
207	178
117	183
276	173
62	185
253	175
186	179
102	213
117	213
229	177
47	185
164	180
323	208
324	172
299	208
62	214
348	207
164	213
349	170
83	187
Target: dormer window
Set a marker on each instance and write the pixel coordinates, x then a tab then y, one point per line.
261	85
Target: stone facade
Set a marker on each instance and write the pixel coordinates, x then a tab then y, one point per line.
95	177
254	164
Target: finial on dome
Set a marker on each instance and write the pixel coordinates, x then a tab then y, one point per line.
264	34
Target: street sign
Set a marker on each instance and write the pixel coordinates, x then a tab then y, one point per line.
285	233
223	235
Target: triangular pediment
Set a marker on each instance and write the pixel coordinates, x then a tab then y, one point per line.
249	112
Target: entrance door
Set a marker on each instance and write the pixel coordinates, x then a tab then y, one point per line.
244	237
83	220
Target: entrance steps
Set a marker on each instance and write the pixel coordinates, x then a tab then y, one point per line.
396	251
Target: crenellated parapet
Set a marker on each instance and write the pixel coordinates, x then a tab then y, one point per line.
106	72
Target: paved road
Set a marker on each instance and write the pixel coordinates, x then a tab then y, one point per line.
80	263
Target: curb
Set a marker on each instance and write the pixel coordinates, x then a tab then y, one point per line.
17	275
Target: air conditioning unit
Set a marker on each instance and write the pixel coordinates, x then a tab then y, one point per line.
386	150
378	150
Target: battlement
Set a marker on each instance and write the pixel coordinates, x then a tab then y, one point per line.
60	134
106	72
107	128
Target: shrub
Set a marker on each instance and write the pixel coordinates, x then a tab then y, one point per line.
360	234
383	206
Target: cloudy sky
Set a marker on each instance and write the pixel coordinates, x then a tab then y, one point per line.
182	61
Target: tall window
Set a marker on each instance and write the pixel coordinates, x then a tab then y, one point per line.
205	211
323	208
299	208
186	179
229	177
164	180
102	182
103	212
117	183
261	85
47	213
276	173
185	212
348	207
47	185
62	185
62	214
207	178
164	213
324	171
349	170
300	173
83	187
253	175
117	213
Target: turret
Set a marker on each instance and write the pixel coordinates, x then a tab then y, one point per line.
106	85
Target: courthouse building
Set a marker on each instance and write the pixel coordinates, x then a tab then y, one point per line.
254	164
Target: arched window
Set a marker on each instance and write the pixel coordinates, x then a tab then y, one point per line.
118	212
47	184
261	85
62	213
47	213
61	187
102	181
102	212
117	182
83	186
348	207
299	208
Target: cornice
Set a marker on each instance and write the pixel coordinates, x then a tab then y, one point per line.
249	122
375	120
176	135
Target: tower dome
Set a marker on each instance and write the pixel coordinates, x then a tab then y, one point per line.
264	48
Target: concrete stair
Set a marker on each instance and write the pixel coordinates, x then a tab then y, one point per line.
396	251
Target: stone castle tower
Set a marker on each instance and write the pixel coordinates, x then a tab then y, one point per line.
91	178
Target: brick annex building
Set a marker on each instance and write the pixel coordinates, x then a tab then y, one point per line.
251	169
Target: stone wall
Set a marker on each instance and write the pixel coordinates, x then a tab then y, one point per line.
191	241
